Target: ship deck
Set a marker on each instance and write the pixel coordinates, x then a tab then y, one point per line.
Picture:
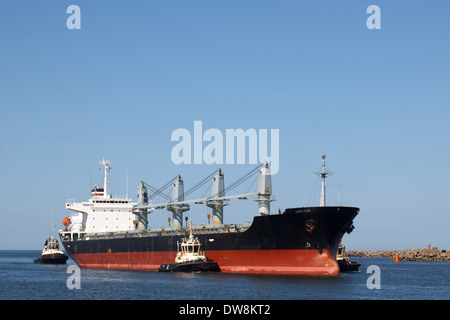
157	232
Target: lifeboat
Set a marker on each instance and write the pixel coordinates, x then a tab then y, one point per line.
66	222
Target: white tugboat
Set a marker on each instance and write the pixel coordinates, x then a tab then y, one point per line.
51	254
190	257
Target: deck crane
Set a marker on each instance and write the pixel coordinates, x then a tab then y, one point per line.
177	203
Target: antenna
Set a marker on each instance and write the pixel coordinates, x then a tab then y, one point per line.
323	140
52	225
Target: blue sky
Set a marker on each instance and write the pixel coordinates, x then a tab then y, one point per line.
375	101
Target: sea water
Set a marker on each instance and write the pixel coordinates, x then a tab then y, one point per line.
22	279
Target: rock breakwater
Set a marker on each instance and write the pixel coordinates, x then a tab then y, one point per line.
404	255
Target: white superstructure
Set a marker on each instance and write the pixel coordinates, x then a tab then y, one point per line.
103	212
190	249
51	247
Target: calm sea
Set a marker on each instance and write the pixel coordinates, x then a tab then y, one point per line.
21	279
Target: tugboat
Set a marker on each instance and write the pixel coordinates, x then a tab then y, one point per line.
190	258
345	265
51	254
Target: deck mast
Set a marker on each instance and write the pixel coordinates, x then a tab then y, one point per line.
324	173
107	166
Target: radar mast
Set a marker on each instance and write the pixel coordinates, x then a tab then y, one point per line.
324	173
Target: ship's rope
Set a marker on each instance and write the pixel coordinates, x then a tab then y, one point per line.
241	180
313	194
342	190
200	184
159	192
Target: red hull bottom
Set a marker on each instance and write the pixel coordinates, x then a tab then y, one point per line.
307	262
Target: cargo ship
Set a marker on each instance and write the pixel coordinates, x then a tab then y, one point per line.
109	232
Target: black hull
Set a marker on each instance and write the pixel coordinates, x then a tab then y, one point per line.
192	266
52	259
300	240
